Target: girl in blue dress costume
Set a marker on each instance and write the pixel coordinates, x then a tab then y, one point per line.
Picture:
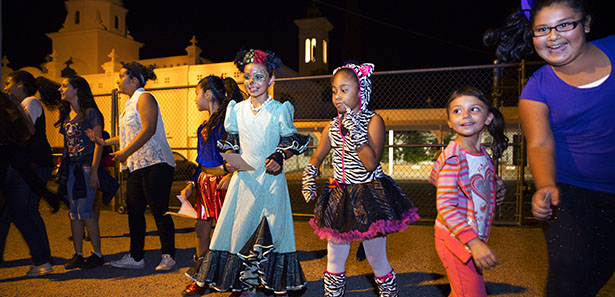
254	241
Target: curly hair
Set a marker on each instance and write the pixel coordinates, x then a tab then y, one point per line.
514	39
267	58
140	72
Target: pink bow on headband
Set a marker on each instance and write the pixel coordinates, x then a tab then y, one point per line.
366	70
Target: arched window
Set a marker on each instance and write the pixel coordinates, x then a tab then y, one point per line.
77	17
324	51
308	55
312	50
310	46
117	22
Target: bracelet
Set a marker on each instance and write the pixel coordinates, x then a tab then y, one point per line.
224	167
281	151
190	183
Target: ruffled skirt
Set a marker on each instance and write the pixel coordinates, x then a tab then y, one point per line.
257	264
208	198
355	212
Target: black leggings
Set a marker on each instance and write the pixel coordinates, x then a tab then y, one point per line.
150	185
580	242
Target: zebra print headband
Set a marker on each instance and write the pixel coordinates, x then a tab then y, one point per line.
363	72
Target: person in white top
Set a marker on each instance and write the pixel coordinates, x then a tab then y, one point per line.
22	202
146	154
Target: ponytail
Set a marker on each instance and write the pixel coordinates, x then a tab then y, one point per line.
48	89
496	129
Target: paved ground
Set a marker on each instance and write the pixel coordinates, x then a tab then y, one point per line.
521	253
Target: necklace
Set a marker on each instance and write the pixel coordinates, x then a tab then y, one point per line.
257	109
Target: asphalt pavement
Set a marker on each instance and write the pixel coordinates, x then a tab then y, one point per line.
520	250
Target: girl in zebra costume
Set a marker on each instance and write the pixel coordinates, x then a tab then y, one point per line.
360	203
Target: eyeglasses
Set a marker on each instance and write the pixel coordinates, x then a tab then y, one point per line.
563	27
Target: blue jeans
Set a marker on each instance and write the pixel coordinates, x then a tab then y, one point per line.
22	209
82	208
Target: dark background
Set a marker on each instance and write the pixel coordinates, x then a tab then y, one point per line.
394	35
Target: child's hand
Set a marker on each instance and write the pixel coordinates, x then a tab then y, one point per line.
93	138
500	190
357	133
483	256
229	167
273	163
309	188
542	200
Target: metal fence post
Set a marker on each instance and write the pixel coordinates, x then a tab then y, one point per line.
119	201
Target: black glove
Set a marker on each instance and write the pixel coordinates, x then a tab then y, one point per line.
278	157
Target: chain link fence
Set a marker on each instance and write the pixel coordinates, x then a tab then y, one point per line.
412	104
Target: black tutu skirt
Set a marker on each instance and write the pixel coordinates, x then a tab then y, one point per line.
256	265
355	212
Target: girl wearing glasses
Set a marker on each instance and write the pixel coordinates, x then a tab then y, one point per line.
566	111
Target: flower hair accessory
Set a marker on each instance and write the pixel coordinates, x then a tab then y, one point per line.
363	73
267	58
526	8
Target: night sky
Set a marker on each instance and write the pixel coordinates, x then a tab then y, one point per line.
394	35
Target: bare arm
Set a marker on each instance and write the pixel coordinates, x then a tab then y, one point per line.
98	150
541	153
148	110
323	148
370	153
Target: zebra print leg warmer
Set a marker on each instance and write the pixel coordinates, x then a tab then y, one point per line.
387	285
335	284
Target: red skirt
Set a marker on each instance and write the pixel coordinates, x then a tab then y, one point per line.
208	198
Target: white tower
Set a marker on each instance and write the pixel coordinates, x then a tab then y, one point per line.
91	30
313	42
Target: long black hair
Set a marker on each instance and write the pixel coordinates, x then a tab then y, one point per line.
85	99
48	89
514	39
140	72
233	91
218	92
495	128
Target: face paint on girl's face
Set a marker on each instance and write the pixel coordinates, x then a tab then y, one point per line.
256	79
257	75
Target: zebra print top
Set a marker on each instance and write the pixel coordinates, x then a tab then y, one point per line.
351	167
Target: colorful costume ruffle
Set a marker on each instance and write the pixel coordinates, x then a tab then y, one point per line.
355	212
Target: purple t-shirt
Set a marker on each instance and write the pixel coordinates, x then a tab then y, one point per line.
583	124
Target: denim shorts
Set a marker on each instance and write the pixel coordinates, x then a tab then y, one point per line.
80	209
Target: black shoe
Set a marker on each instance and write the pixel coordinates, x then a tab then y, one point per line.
76	261
94	261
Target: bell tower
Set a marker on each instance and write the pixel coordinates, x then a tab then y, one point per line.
313	42
91	30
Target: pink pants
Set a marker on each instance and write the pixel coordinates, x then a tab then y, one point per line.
464	278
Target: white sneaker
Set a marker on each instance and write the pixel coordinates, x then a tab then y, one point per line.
167	263
128	262
40	270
